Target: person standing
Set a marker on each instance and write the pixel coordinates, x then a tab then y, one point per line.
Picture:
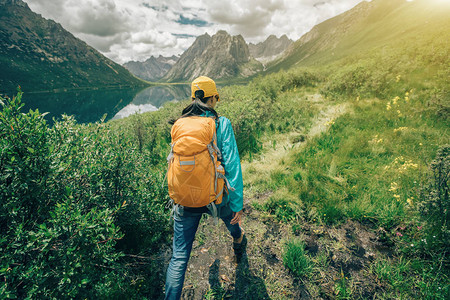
186	219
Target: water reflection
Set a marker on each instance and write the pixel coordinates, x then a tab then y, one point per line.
86	106
91	106
153	98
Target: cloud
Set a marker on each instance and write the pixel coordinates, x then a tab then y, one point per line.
246	17
104	43
127	30
97	17
102	19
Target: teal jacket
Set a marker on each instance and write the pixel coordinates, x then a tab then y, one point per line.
226	142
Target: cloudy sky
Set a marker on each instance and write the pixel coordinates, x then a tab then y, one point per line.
125	30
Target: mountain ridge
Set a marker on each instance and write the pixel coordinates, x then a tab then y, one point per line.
219	56
39	54
270	48
153	68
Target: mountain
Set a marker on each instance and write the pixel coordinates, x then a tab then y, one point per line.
270	48
153	68
369	26
219	56
39	54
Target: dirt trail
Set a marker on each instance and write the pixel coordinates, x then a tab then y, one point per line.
288	141
212	272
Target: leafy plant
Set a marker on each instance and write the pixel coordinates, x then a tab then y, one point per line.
434	202
296	259
79	204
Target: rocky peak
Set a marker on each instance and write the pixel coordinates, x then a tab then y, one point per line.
153	69
271	48
233	45
217	56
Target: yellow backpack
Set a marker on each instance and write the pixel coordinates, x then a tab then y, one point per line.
195	175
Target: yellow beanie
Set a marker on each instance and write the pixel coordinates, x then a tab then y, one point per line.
206	84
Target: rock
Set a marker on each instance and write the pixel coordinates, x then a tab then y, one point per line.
153	68
270	49
217	56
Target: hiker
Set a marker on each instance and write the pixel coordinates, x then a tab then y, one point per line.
186	218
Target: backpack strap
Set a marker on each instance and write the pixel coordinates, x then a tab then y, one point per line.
212	207
214	145
229	187
211	154
169	161
170	156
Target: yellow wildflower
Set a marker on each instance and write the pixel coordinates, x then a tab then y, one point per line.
394	101
409	201
407	99
397	79
388	106
408	164
399	113
376	140
400	129
407	94
394	186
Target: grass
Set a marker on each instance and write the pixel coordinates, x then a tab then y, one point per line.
369	163
296	259
406	276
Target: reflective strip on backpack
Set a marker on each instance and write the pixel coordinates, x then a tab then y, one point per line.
187	162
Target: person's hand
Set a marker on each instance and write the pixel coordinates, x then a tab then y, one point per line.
237	216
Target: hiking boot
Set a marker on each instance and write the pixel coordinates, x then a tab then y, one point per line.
239	247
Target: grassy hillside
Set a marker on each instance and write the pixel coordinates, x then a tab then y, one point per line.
370	25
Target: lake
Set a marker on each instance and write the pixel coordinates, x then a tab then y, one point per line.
91	105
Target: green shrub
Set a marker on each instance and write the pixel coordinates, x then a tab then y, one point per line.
24	166
296	259
434	200
78	202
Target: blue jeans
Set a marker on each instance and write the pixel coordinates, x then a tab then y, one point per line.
184	227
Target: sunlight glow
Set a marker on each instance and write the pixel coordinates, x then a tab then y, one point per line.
433	2
441	2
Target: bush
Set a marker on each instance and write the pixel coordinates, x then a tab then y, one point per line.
296	259
434	202
78	202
